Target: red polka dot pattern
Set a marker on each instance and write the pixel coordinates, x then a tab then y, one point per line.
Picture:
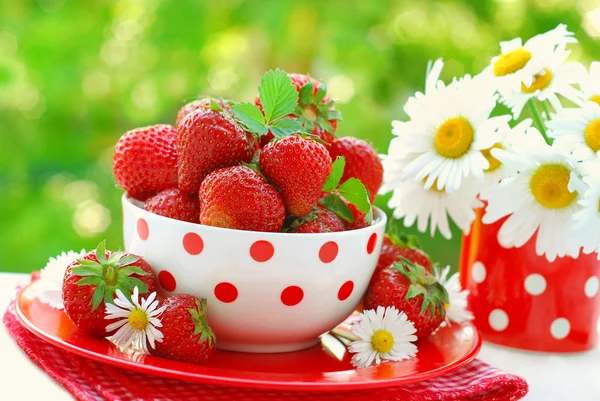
292	295
143	229
193	244
226	292
261	251
328	252
371	244
167	281
345	290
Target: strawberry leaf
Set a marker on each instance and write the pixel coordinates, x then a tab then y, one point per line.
101	252
306	94
337	170
277	94
85	271
98	295
90	280
337	206
285	127
321	92
355	192
127	271
127	260
251	117
215	106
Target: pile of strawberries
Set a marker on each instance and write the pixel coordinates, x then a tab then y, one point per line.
272	165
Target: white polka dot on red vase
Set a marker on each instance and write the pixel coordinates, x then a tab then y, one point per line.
478	272
498	320
535	284
560	328
591	287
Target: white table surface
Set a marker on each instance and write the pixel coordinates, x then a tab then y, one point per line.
550	377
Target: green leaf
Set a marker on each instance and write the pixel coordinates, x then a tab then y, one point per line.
215	106
131	282
337	170
337	206
114	257
109	295
127	260
98	295
85	271
355	192
85	262
369	215
333	114
91	280
321	92
251	117
101	252
285	127
127	271
325	125
277	94
306	94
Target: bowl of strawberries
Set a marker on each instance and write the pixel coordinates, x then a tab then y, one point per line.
258	208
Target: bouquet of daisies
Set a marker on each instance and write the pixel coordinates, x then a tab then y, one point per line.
541	174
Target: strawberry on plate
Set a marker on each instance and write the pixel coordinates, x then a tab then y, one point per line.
298	167
187	337
145	161
92	280
207	140
412	290
174	204
362	162
240	198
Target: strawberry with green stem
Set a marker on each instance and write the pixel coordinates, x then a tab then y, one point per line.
90	282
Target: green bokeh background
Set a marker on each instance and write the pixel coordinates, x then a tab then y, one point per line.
75	75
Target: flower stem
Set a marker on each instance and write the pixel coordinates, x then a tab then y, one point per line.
546	110
537	119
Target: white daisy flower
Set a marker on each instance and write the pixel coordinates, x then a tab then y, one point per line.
555	77
138	322
52	275
590	83
587	220
509	137
431	207
518	63
542	197
456	309
449	127
385	335
577	130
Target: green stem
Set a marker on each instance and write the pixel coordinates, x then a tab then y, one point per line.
546	110
537	119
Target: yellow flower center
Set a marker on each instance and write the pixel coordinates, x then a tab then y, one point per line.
382	341
592	135
511	62
494	163
595	99
539	82
454	138
550	186
138	319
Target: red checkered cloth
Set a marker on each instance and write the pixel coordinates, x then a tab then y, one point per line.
87	380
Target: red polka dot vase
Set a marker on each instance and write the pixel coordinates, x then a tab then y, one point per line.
266	292
520	300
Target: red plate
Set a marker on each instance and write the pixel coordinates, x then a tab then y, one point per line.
323	367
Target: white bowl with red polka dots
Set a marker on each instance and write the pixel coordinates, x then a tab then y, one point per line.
267	292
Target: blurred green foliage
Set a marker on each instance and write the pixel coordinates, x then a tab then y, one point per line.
75	75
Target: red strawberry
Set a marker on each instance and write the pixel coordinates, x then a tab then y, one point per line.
298	167
239	198
412	290
145	161
395	248
313	111
362	162
195	105
174	204
208	140
187	337
325	221
92	280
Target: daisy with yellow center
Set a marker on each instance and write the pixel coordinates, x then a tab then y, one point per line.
577	130
509	138
138	321
540	196
554	78
52	275
456	309
384	335
587	220
590	83
449	127
518	63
